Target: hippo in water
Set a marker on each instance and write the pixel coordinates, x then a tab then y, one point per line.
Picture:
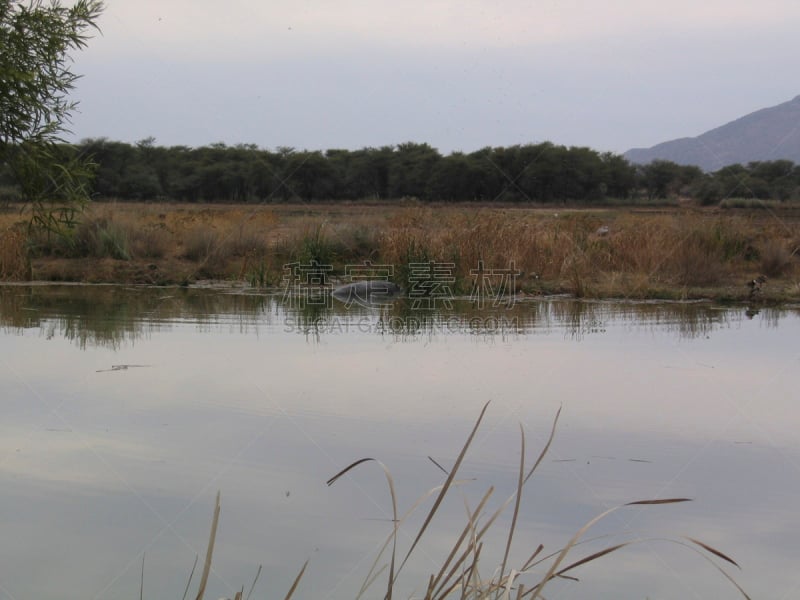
367	292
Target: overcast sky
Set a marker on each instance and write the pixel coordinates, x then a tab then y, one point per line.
458	74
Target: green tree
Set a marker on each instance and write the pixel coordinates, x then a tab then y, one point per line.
35	80
620	175
310	176
664	178
410	169
737	181
459	177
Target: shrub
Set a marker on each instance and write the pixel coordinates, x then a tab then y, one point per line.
98	237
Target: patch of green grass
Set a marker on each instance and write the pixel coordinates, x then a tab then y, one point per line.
258	273
97	238
757	203
316	247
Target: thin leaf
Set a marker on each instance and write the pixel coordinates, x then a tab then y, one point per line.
554	567
368	580
531	564
509	582
390	481
472	572
592	557
533	556
209	551
443	470
546	448
254	582
520	483
717	567
708	559
445	487
542	454
141	583
333	479
659	501
191	574
467	528
296	581
714	551
463	579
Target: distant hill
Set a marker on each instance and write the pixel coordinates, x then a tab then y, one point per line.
767	134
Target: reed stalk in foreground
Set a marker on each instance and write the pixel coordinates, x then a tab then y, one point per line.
207	566
459	574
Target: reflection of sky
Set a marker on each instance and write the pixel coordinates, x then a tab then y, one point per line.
98	467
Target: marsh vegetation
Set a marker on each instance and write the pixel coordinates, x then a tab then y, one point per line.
617	252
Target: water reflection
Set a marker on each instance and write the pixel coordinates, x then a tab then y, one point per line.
110	316
234	390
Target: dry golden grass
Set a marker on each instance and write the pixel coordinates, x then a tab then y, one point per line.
15	265
775	257
623	252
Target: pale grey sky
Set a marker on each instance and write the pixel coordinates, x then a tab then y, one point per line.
458	74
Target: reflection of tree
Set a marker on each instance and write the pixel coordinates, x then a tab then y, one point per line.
400	319
578	318
110	316
309	318
770	316
687	319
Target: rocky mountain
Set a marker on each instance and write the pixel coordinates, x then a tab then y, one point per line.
767	134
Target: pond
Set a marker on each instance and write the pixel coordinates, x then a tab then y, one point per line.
125	410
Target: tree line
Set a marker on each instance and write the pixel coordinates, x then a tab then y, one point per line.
763	180
245	173
542	173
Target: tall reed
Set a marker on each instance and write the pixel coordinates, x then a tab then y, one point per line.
459	574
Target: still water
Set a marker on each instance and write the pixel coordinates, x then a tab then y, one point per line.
125	410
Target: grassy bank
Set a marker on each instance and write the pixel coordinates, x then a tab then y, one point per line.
666	252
